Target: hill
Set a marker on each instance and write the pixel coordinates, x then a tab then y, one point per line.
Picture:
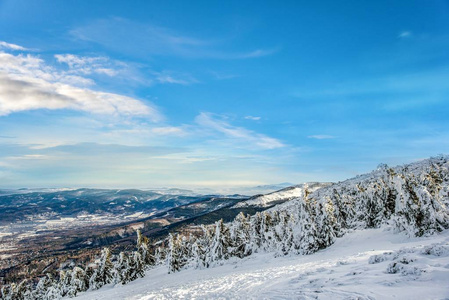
410	200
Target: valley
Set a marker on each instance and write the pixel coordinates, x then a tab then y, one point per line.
41	229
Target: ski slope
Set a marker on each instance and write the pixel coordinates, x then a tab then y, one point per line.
364	264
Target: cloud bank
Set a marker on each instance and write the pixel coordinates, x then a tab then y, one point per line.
28	83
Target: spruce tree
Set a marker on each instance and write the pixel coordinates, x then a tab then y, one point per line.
104	272
77	282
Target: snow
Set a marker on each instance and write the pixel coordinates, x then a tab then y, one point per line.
360	265
281	195
265	200
136	215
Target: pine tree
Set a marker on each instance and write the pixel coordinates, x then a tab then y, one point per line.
122	267
221	242
240	235
104	272
77	282
139	264
304	229
43	286
159	255
255	241
144	250
63	284
89	273
173	254
324	225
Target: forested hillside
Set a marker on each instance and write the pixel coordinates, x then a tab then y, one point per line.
413	199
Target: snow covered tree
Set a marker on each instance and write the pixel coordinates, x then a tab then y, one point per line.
144	250
255	241
240	235
89	272
104	272
20	291
122	268
159	255
324	221
45	288
63	283
77	282
198	255
174	254
221	242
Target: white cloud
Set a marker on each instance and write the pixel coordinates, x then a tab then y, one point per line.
28	83
106	71
169	130
30	156
14	47
87	65
169	77
252	118
321	137
249	137
405	34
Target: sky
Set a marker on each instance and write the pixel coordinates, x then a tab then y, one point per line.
218	94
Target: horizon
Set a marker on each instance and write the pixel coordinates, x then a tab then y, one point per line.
203	190
228	95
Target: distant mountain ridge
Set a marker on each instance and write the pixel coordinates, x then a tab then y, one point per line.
72	202
280	196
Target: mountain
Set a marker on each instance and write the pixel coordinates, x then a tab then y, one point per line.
37	205
280	196
390	221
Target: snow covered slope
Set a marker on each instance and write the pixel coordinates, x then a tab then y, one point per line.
281	195
340	227
364	264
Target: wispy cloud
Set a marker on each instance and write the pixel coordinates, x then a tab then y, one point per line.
249	137
143	40
405	34
101	65
258	53
9	46
321	137
253	118
169	130
87	65
174	78
28	83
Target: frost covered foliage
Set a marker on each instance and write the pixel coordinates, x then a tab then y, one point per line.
412	198
108	269
410	261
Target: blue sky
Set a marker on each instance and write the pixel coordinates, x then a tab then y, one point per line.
218	94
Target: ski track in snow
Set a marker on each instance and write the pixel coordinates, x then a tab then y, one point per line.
342	271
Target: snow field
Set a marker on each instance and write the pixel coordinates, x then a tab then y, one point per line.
364	264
